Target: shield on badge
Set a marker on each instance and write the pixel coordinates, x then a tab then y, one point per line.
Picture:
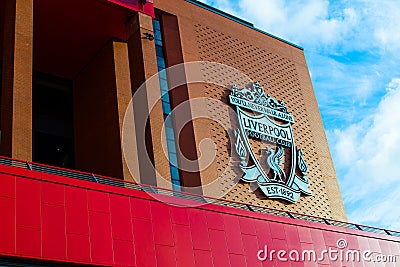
266	138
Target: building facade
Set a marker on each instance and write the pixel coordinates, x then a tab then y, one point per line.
144	92
79	74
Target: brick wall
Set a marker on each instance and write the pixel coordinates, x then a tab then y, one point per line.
282	70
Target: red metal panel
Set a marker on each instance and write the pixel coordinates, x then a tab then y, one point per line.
319	245
317	238
233	234
124	253
100	237
263	233
183	245
306	246
165	256
29	242
330	238
219	248
7	186
277	230
198	227
385	247
292	236
218	242
247	226
179	215
394	248
7	225
162	229
208	235
148	8
304	235
77	214
352	240
251	248
53	194
53	232
28	203
215	221
298	264
237	260
374	245
78	248
136	5
98	201
279	244
363	243
140	208
203	258
144	242
121	218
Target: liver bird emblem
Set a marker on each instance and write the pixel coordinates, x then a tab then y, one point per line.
274	161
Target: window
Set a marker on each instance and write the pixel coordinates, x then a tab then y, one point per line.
53	133
166	107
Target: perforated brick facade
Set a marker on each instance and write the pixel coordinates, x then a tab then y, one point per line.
282	70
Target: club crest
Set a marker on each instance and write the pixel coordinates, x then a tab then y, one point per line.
265	145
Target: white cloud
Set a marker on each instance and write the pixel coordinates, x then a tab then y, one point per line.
358	24
307	22
384	15
368	155
382	210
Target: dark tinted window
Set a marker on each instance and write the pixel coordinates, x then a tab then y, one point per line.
53	121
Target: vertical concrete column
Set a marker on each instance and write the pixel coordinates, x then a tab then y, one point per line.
16	102
153	163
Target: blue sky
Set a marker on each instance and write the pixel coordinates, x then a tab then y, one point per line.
352	49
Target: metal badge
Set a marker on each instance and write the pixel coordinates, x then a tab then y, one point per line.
278	168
